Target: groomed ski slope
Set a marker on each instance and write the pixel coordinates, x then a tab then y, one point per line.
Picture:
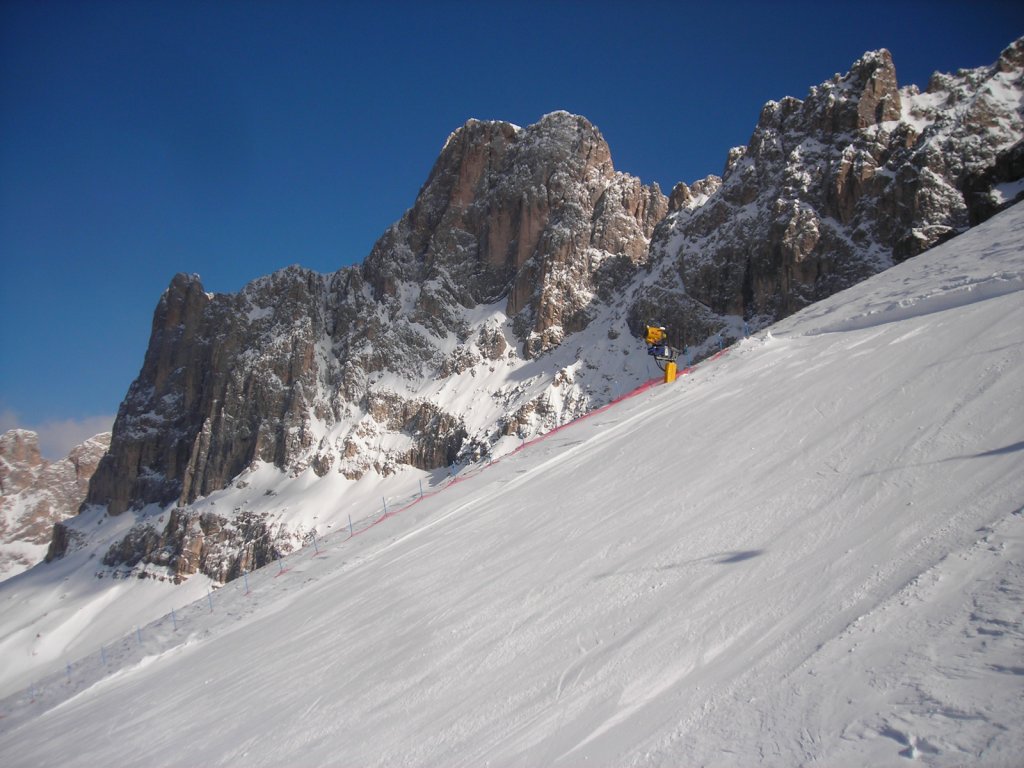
809	551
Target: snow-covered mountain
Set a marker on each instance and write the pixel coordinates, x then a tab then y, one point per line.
507	301
424	356
807	550
36	493
859	175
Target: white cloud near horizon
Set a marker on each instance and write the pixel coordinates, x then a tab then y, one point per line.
57	437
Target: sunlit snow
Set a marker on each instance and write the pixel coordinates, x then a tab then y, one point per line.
806	551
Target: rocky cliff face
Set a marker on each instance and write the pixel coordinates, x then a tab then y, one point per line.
538	219
35	494
833	188
325	372
505	300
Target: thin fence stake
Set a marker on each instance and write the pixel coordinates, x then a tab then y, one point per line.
421	489
385	506
103	655
174	620
245	578
350	534
316	547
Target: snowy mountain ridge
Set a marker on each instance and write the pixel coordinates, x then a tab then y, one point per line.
859	175
808	550
36	493
507	300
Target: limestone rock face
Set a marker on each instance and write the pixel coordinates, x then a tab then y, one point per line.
192	542
536	218
20	460
227	380
833	188
36	494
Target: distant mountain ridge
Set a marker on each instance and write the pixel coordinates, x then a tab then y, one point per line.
506	300
36	493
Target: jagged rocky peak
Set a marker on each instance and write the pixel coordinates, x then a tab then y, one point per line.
835	187
866	96
537	217
874	98
228	379
1011	59
693	195
289	371
20	459
37	493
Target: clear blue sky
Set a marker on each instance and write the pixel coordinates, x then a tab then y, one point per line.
230	139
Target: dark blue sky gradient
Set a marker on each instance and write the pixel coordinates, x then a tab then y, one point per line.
141	139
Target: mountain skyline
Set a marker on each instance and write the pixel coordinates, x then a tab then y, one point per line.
231	142
804	551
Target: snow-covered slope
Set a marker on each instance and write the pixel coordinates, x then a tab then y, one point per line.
808	550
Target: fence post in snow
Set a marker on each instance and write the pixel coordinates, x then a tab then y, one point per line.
421	489
746	329
316	547
174	620
103	655
385	505
350	534
245	578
